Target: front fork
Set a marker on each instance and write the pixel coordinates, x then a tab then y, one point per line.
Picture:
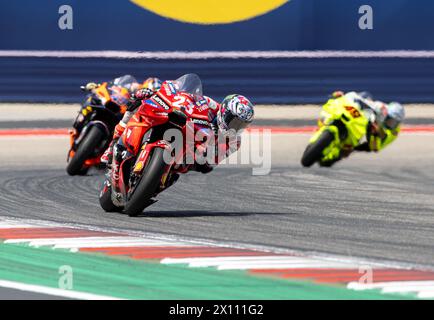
72	136
144	155
115	177
333	151
113	173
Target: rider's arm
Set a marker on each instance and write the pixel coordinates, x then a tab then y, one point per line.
225	148
222	151
132	105
222	148
212	104
379	142
135	102
379	139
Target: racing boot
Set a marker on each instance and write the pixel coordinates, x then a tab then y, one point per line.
107	157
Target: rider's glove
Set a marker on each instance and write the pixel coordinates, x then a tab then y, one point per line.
374	129
212	119
377	130
137	97
143	94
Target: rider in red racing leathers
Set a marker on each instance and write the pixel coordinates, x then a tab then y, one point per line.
149	87
231	116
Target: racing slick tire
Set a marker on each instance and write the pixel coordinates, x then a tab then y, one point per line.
313	152
85	149
149	182
105	200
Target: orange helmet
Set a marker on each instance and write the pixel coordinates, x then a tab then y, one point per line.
152	83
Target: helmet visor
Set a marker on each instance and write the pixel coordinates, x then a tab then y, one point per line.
391	123
234	123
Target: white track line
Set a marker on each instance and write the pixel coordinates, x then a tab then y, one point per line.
258	262
423	289
10	225
197	55
217	260
283	265
426	294
94	242
54	291
381	285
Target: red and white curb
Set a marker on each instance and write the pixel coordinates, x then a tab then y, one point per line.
199	254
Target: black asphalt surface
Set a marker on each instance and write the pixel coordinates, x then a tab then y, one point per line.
380	211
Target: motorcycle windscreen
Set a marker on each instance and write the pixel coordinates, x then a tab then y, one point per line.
190	83
126	81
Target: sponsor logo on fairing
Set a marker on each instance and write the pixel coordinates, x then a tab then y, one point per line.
161	102
202	105
201	102
201	122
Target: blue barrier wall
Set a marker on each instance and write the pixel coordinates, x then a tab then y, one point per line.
295	25
264	81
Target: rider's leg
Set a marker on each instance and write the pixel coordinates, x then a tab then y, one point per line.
108	154
119	130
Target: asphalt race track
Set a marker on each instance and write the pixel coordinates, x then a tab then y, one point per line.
378	206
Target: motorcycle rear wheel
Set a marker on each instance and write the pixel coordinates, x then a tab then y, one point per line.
148	184
314	151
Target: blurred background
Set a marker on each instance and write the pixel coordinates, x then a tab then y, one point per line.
269	47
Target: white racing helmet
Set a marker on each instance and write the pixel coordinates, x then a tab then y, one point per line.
236	113
395	115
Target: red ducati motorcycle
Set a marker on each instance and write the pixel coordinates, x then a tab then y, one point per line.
145	161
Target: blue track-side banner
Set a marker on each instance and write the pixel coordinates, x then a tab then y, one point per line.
197	25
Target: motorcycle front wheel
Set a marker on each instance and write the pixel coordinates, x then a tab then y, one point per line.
148	184
105	200
86	149
314	151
